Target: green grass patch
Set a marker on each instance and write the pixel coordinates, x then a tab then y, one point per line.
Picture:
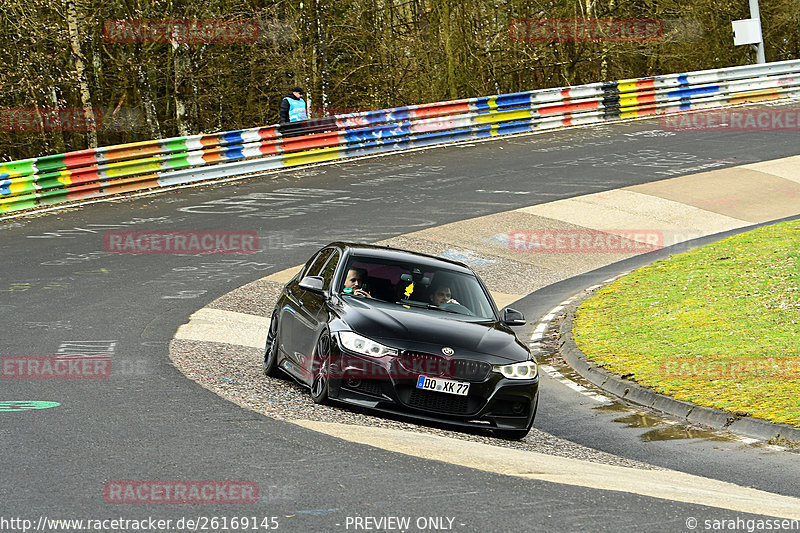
718	326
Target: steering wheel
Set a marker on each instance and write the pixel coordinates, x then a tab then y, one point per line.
458	308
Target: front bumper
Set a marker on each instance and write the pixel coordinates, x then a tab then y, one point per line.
493	401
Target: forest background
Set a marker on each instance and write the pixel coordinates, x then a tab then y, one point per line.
350	55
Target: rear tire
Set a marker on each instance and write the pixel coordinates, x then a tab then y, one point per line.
271	350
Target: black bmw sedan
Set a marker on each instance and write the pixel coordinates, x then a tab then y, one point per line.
403	333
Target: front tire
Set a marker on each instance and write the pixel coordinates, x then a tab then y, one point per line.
271	349
320	382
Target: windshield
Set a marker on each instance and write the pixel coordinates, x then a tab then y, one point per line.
438	290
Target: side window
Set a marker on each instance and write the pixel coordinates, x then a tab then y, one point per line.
316	266
329	270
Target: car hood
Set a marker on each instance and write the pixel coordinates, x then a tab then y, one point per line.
430	331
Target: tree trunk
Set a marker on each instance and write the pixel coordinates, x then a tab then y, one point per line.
80	67
58	135
180	64
449	46
323	58
143	86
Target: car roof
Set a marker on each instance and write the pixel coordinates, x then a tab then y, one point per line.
385	252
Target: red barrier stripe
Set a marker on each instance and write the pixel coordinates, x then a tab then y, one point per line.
562	109
649	83
269	148
295	144
79	159
84	175
268	133
83	191
438	110
646	98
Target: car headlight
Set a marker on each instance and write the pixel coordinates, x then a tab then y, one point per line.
356	343
524	370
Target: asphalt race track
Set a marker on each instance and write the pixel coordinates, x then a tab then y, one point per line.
62	293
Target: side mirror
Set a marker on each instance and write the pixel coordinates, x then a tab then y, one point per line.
312	283
512	317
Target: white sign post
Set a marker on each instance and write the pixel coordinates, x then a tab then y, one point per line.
748	31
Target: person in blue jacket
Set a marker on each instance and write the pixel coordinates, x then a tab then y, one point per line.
293	107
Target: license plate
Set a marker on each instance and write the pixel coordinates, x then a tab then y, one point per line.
443	385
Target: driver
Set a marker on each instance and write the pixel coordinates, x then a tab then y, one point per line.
355	281
440	295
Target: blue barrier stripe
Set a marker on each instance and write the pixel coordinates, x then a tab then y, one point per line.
481	103
232	137
693	91
377	133
514	99
234	152
404	114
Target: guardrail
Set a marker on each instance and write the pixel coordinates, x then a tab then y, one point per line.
43	181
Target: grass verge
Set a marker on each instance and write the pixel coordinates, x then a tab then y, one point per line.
718	326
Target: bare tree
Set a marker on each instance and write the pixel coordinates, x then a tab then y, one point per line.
80	68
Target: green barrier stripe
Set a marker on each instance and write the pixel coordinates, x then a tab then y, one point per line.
175	145
50	162
181	161
16	169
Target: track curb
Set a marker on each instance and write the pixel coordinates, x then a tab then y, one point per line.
632	392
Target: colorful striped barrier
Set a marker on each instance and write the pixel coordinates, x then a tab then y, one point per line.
105	171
